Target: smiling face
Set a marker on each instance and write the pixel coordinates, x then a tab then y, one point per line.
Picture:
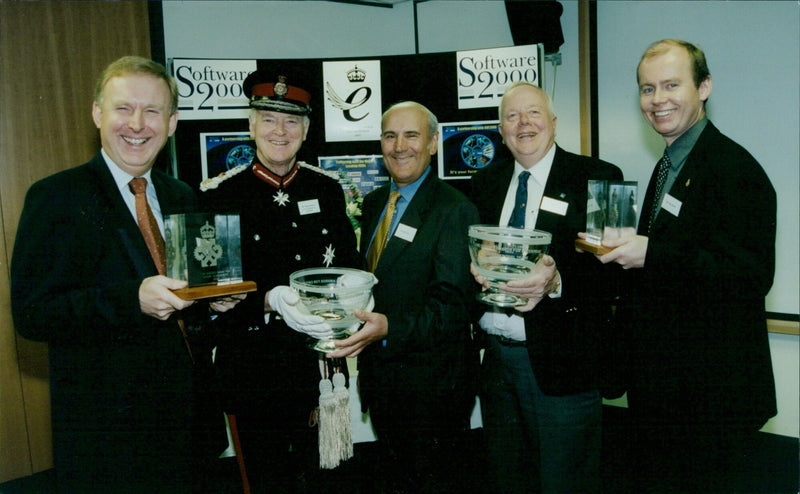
278	138
669	99
134	119
407	143
527	124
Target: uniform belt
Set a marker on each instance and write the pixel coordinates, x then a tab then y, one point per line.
508	341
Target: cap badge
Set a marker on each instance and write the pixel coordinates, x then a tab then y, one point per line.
280	87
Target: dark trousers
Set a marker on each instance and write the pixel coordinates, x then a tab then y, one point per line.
683	453
422	444
535	442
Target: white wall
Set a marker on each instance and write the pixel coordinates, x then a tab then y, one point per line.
753	56
753	52
317	29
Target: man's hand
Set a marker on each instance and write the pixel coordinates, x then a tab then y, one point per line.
156	298
376	328
629	252
478	278
226	303
543	280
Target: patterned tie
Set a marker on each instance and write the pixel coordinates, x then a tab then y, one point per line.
148	225
664	164
382	233
517	219
152	237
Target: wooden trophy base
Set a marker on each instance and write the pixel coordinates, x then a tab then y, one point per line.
593	248
208	291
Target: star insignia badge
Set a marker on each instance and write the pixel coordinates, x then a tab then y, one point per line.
327	258
281	197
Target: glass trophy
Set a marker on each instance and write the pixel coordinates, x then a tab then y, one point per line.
333	294
611	212
204	249
501	254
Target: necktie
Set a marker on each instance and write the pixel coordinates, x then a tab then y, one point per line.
382	233
517	219
148	225
152	237
664	165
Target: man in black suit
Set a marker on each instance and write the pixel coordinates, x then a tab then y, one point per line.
417	364
700	380
83	279
540	395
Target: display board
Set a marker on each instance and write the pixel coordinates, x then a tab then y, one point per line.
462	89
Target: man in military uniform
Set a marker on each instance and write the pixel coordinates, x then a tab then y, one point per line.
292	217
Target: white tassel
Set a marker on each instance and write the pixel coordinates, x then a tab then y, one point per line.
335	433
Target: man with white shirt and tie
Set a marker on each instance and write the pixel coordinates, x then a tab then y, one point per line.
87	277
540	397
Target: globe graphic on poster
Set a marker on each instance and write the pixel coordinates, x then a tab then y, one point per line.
240	155
477	151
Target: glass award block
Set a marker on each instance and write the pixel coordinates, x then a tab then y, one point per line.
621	215
204	249
611	212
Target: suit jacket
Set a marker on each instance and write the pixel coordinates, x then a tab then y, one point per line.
425	290
563	334
696	317
120	381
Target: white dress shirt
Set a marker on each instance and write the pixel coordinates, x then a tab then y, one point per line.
496	321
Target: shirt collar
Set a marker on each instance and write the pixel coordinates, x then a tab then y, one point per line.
683	145
540	171
408	192
122	178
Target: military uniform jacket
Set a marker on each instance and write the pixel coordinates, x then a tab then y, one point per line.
301	226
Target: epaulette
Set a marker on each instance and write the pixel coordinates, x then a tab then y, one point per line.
213	182
320	170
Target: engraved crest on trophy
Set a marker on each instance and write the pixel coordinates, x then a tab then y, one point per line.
611	212
205	250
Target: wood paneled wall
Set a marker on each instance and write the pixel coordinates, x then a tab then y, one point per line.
51	53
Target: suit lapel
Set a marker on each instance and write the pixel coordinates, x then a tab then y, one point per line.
685	182
413	219
497	184
555	188
117	217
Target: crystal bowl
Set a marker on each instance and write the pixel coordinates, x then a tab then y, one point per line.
333	294
501	254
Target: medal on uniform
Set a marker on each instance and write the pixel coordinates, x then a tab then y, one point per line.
281	197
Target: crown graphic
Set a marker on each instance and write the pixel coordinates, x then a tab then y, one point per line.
207	231
356	75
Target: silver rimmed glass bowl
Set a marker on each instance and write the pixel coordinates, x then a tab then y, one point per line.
501	254
333	294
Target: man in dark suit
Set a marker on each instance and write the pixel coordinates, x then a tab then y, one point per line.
417	362
84	280
700	376
540	396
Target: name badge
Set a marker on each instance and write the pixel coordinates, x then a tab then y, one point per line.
671	205
554	206
405	232
310	206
